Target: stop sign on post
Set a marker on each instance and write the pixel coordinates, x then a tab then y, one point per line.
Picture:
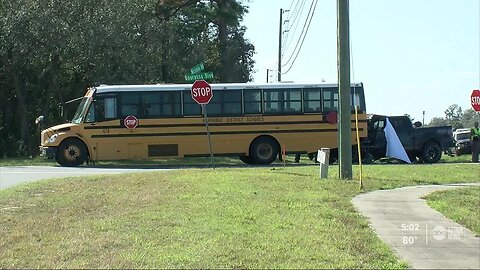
201	92
475	100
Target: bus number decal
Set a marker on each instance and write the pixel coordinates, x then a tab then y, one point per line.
106	130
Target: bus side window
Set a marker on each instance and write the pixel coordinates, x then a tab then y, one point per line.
130	104
273	101
231	102
110	108
252	101
105	109
150	106
170	103
357	99
293	101
312	100
355	102
330	99
190	107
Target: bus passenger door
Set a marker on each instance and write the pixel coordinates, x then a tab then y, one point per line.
102	128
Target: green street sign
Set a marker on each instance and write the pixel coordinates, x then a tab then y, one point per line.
197	68
199	76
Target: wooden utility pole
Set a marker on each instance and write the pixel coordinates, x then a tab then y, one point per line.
343	61
279	75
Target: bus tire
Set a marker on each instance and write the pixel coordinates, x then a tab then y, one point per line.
263	150
431	153
245	159
71	153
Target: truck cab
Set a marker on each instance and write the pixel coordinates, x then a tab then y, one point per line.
424	143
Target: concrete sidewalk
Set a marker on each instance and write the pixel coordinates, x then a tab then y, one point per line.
421	236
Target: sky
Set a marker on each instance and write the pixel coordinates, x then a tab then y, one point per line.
411	55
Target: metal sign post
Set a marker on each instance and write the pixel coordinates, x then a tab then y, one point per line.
204	109
202	93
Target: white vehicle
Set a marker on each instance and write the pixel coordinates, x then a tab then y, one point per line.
462	141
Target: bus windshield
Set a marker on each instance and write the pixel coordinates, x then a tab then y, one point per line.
81	110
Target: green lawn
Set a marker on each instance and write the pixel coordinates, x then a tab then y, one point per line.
177	162
456	159
461	205
203	218
26	161
193	161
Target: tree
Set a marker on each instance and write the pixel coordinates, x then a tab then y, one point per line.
438	121
469	117
453	115
50	51
456	117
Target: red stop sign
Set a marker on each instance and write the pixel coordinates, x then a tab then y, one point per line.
130	122
201	92
475	100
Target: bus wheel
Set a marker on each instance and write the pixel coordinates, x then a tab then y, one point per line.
431	153
263	150
245	159
71	153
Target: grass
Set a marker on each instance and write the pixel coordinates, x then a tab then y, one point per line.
456	159
460	205
203	218
26	161
183	162
175	162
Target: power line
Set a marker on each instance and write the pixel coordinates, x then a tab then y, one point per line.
302	33
301	39
295	14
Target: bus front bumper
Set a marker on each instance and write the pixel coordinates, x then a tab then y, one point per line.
48	152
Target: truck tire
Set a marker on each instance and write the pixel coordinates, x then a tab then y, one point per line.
431	153
71	153
263	151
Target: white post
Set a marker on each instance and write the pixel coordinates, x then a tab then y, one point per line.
323	156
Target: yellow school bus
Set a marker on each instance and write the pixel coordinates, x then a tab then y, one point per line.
252	121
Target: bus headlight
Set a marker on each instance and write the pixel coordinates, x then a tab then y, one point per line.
53	138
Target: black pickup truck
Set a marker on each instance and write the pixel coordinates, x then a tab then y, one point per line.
424	143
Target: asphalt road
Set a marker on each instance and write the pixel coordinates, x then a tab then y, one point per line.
10	176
